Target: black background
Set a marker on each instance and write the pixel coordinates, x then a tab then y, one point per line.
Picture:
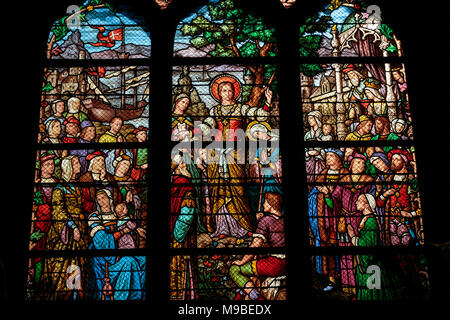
423	28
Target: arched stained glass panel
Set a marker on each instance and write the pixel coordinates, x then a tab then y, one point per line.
226	163
98	30
220	29
89	213
360	157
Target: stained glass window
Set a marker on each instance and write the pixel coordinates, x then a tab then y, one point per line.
90	191
226	164
360	158
224	190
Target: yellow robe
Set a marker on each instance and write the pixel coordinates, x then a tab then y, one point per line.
65	206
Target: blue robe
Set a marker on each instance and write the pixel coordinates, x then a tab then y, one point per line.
127	274
314	223
270	183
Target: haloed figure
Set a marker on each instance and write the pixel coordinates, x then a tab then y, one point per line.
230	206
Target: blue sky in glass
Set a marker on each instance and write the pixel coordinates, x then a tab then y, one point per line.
133	31
338	16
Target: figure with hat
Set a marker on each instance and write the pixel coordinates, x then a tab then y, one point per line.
72	131
323	216
383	133
97	175
315	122
182	125
364	97
344	199
47	176
87	135
398	127
362	131
358	101
367	234
228	200
67	230
397	200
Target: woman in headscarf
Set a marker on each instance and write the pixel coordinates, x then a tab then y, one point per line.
388	287
182	125
314	156
112	278
54	130
398	127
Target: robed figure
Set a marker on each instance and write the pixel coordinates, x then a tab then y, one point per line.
229	204
183	281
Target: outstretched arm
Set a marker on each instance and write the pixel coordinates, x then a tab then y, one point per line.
256	243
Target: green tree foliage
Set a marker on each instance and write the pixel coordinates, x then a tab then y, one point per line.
234	33
310	40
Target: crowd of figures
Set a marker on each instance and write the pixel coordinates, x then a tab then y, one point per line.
70	122
88	200
226	203
364	196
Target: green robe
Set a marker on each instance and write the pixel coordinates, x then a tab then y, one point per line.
389	290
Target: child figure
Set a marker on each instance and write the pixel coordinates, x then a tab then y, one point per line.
327	130
124	221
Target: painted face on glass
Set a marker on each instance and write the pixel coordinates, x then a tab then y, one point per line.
361	203
103	201
399	127
366	127
332	160
354	78
59	107
48	167
98	165
122	168
380	165
141	136
397	162
116	125
76	105
182	104
358	166
287	3
312	121
56	128
72	129
89	133
76	166
226	92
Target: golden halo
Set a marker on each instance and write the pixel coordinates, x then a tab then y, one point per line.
254	123
214	87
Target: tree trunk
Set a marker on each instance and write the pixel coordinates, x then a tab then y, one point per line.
258	87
